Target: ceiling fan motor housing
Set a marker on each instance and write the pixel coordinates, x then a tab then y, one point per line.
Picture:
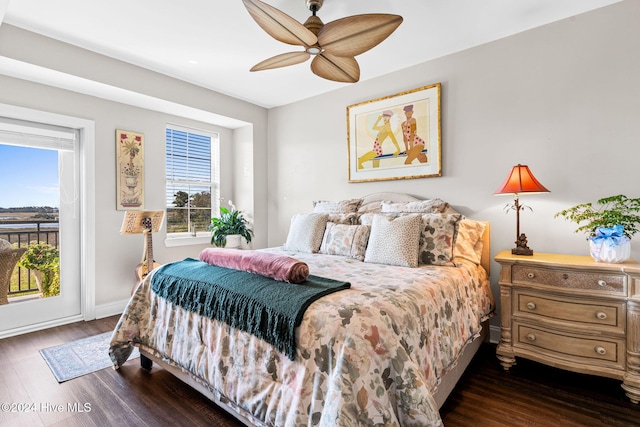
314	24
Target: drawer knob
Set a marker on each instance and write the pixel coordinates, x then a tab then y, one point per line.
531	275
531	305
600	350
602	283
532	337
565	276
601	315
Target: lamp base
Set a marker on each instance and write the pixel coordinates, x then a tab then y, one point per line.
522	251
521	246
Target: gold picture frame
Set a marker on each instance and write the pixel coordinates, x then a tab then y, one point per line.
130	170
396	137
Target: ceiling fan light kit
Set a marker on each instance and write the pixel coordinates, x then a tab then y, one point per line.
333	45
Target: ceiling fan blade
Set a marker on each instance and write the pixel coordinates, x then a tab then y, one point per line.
356	34
339	69
283	60
279	25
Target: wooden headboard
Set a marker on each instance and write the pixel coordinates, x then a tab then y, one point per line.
485	261
370	201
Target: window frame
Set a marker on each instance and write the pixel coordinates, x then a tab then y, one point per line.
200	237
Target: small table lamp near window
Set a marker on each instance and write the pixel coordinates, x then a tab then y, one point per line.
520	180
147	223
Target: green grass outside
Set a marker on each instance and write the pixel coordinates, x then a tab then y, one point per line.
13	283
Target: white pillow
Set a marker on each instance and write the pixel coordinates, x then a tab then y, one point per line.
469	240
346	240
394	241
305	232
367	218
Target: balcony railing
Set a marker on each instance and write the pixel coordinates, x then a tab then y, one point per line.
22	233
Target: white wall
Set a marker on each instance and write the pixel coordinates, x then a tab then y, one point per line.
27	59
563	98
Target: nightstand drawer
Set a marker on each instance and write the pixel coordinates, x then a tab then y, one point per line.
571	347
589	315
575	279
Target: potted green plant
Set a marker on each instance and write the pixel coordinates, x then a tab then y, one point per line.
43	260
609	225
230	223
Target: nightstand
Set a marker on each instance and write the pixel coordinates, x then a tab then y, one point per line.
573	313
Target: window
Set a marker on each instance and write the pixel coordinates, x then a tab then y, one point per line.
192	180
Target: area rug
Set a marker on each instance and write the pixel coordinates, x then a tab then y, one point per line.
81	357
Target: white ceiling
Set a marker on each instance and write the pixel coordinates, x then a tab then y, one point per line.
214	43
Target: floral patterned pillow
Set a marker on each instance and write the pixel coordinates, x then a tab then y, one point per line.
305	232
394	241
437	238
343	218
346	240
418	206
343	206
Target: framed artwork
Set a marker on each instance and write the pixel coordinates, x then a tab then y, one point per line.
130	170
395	137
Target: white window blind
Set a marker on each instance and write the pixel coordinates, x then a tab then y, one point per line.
36	135
192	179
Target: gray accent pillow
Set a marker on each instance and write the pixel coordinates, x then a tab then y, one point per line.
394	241
305	232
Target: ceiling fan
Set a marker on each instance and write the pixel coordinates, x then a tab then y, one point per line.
333	46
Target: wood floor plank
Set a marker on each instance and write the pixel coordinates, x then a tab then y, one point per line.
530	394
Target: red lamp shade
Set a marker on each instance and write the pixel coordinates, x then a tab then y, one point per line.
521	180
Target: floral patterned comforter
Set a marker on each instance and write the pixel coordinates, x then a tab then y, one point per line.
369	355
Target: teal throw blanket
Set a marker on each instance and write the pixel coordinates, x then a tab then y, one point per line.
267	308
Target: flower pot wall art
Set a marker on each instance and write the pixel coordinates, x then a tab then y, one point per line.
130	173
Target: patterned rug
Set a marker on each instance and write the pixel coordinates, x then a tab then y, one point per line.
81	357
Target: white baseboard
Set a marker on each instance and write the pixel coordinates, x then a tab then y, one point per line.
40	326
104	310
111	309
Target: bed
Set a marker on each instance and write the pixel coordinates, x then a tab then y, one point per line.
387	350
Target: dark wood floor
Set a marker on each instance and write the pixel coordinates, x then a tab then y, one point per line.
530	395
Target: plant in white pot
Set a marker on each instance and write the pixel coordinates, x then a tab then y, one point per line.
230	223
609	225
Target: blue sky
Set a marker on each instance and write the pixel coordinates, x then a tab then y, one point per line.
28	177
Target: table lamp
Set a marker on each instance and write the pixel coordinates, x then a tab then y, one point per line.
520	180
132	223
